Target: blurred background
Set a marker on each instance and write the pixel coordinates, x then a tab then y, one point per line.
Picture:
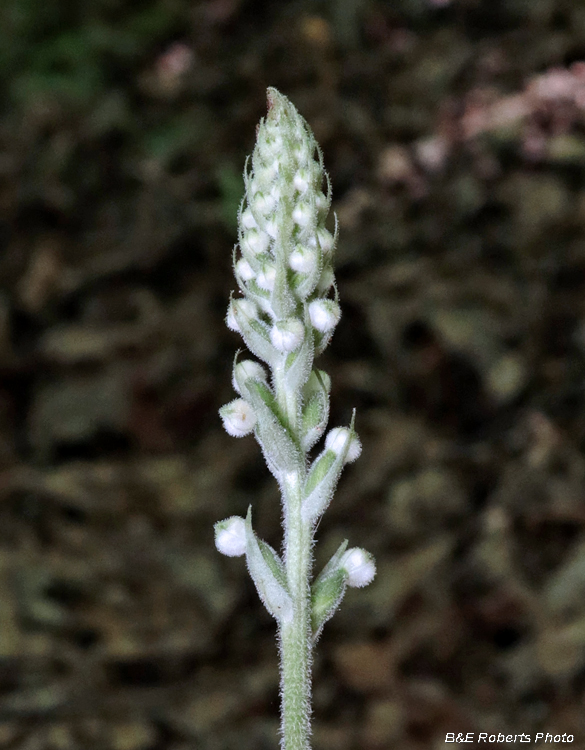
454	134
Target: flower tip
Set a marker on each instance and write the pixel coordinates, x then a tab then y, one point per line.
271	95
274	99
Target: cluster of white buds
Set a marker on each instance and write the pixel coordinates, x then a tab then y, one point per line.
286	315
286	250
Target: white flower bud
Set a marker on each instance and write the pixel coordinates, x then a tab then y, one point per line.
266	307
271	228
248	220
255	185
255	242
299	133
301	180
324	314
238	418
287	335
245	270
359	566
336	441
266	277
245	307
245	370
321	205
302	214
264	203
326	280
271	129
326	240
303	259
302	152
230	536
273	144
268	173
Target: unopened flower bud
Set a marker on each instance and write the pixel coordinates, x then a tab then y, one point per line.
302	153
303	259
246	370
271	228
287	335
326	240
265	278
264	203
273	145
301	180
255	185
336	441
238	418
248	220
324	314
302	214
245	270
244	307
230	536
322	205
326	280
268	173
255	242
359	566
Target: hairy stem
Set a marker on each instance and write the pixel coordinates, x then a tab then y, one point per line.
295	640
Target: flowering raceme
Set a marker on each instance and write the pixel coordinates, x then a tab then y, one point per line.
286	316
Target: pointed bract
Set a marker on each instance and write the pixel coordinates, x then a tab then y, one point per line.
327	591
281	452
316	408
264	569
322	480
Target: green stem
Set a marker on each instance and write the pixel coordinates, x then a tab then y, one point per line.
295	641
295	637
